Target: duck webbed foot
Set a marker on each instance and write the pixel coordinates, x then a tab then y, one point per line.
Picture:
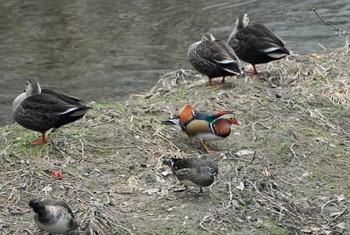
43	140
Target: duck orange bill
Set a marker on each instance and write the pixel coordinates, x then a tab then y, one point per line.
236	122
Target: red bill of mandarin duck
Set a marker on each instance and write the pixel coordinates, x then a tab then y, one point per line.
193	172
42	109
55	217
205	127
255	43
214	58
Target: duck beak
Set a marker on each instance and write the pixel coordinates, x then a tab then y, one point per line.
236	123
216	176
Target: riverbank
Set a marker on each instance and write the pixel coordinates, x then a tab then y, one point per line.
283	171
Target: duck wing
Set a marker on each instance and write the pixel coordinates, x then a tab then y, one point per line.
66	98
59	203
266	40
224	55
186	173
44	111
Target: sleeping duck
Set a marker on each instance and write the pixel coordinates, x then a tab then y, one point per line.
255	43
42	109
214	58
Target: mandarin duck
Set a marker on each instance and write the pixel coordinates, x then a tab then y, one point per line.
193	172
205	127
214	58
255	43
55	217
42	109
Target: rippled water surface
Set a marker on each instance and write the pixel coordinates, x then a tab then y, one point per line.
106	50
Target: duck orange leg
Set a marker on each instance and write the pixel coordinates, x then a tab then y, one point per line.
43	139
254	70
209	82
223	80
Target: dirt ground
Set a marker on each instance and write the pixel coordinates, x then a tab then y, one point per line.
284	170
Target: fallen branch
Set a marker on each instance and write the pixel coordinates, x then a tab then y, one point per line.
342	32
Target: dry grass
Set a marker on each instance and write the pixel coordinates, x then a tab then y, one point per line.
281	172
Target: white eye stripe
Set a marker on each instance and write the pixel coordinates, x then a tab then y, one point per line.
227	116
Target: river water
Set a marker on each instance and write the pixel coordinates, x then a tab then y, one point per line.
105	50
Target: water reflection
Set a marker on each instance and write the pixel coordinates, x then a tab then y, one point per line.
105	50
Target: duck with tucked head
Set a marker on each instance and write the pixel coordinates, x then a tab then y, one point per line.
214	58
193	172
42	109
55	217
255	43
205	127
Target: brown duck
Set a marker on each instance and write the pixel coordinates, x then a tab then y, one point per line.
214	58
55	217
42	109
193	172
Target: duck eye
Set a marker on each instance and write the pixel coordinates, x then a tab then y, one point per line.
211	169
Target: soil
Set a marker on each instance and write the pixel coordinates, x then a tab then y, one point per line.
284	170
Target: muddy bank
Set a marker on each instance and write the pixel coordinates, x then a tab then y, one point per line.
295	117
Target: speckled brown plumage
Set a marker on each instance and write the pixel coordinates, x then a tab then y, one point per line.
52	216
193	172
213	58
40	110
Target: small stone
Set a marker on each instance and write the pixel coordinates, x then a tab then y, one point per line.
240	186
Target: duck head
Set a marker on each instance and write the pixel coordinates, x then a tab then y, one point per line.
32	88
37	206
242	20
208	37
229	116
211	169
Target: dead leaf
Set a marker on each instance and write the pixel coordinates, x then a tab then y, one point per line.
341	197
341	225
151	191
243	152
313	56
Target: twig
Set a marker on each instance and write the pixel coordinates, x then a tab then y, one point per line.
294	154
203	221
249	163
230	195
339	215
171	143
324	205
275	204
343	32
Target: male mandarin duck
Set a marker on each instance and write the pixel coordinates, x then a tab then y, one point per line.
255	43
205	127
41	109
214	58
186	113
193	172
55	217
